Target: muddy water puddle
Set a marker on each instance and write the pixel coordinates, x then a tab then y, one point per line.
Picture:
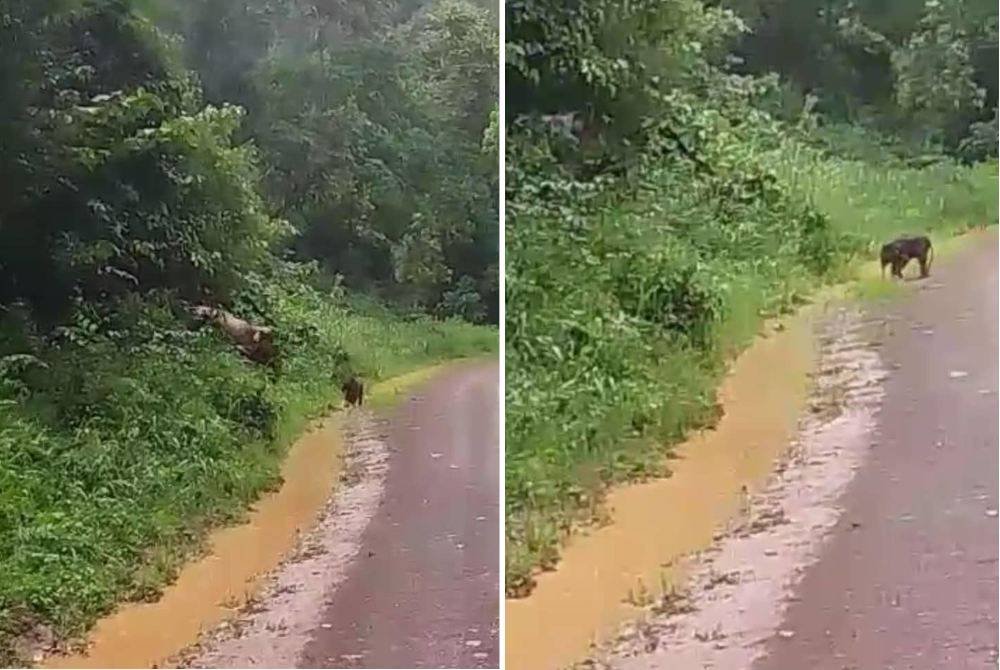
214	588
605	573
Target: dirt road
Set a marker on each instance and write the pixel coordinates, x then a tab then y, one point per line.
424	592
403	571
909	577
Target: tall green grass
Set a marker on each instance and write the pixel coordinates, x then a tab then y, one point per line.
875	202
622	315
129	435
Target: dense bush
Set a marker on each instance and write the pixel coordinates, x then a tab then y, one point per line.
120	181
923	72
370	124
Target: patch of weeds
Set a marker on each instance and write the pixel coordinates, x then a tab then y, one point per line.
640	595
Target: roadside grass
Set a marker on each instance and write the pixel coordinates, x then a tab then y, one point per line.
598	389
868	289
878	202
120	450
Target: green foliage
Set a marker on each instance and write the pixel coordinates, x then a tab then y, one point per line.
874	202
126	185
610	62
620	313
981	142
463	302
370	122
935	77
921	72
491	136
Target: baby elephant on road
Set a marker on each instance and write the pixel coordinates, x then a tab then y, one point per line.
901	251
354	391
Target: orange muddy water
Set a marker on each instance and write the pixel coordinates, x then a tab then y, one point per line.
654	523
213	588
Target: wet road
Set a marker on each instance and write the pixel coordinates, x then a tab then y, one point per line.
908	580
424	590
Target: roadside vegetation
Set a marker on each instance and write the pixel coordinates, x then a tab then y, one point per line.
669	191
328	173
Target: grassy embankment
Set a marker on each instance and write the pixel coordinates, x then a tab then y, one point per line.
601	383
121	447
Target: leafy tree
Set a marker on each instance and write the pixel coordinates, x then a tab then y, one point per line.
608	61
120	180
935	82
921	72
369	120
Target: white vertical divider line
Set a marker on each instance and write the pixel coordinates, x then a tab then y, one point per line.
502	164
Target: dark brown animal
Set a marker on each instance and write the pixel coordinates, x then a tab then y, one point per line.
354	391
254	342
901	251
